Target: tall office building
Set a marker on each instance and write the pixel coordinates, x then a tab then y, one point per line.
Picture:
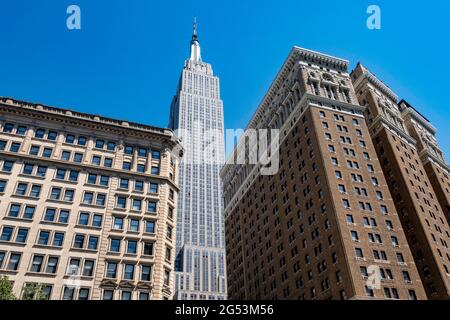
197	115
325	226
87	205
404	143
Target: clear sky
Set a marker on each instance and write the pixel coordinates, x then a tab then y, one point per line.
126	60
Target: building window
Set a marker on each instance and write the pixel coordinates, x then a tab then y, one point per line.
96	160
79	241
41	171
151	206
68	293
144	296
137	204
6	234
111	270
2	258
74	266
153	187
65	155
111	146
394	241
52	135
88	269
92	178
55	193
406	276
166	277
70	138
99	144
82	141
412	295
128	150
39	133
47	153
58	239
21	189
114	245
150	227
100	200
93	243
2	186
78	157
134	225
145	273
34	150
139	185
108	162
155	170
350	219
126	165
15	147
14	261
68	195
128	273
346	203
14	210
121	202
7	166
104	181
35	191
156	154
118	223
22	235
131	247
359	253
97	220
148	248
83	294
52	265
142	152
108	294
88	198
126	295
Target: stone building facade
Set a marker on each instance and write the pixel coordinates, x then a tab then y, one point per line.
87	204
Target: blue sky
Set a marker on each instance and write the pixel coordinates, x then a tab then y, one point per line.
126	60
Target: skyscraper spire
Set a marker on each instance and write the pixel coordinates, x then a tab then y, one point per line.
195	45
194	32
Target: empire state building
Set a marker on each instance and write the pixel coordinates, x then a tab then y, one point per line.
197	119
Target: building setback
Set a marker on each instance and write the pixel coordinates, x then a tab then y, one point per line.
197	116
87	204
400	138
326	221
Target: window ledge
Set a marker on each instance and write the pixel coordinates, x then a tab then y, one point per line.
41	274
46	246
54	223
23	197
91	205
59	201
17	219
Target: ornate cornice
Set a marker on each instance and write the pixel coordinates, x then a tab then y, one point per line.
296	54
94	122
407	110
